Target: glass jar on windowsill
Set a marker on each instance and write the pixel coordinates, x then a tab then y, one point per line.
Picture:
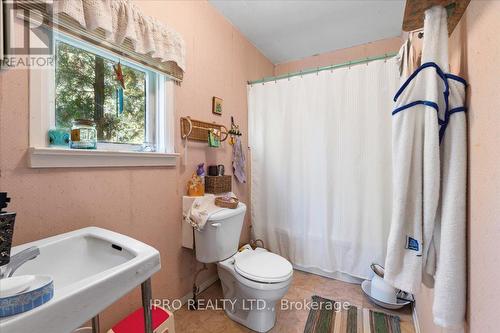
83	134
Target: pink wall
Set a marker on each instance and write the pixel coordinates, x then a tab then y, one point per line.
372	49
474	54
144	203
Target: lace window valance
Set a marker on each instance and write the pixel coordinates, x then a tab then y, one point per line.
120	26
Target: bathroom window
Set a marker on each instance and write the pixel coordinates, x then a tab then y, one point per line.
130	103
120	97
87	86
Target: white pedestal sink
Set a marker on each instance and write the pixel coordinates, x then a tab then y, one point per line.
91	268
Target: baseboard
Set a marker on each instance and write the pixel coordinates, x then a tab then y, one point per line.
416	323
344	277
202	286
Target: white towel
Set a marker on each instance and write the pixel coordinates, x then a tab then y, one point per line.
187	240
201	209
416	176
445	261
407	59
450	234
427	239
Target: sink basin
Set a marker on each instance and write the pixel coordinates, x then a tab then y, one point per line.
91	269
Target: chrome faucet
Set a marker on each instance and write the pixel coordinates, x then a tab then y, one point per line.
18	260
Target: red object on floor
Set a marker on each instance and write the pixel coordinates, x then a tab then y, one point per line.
134	323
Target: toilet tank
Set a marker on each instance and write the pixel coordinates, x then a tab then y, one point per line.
220	237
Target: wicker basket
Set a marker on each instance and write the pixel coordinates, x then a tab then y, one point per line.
227	204
218	184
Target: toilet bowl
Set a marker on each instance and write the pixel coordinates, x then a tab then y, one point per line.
253	281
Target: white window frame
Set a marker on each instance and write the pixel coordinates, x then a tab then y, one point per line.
159	121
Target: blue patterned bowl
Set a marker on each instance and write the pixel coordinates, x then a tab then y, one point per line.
40	292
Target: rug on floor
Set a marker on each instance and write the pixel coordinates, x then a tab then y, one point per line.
328	316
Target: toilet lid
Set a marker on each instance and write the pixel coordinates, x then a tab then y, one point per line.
263	266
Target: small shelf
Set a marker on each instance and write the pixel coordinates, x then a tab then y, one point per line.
415	12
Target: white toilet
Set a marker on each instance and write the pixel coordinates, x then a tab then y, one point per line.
252	280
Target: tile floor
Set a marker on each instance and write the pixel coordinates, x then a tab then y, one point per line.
304	286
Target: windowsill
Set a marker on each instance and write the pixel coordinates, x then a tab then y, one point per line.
47	157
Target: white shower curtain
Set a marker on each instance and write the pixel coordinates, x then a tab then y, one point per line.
321	167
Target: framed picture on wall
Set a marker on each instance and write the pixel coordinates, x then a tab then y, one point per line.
217	105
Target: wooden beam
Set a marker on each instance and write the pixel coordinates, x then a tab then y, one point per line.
415	9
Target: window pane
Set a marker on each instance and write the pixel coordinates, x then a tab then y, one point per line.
87	88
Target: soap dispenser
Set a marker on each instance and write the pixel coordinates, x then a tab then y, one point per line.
6	229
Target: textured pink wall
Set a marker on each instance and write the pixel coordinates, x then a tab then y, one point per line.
144	203
474	54
372	49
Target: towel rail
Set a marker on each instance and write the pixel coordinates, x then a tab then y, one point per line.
198	130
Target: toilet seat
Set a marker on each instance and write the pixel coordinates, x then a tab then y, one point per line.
262	266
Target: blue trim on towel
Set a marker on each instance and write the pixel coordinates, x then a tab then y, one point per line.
415	73
448	114
409	105
459	109
456	78
446	94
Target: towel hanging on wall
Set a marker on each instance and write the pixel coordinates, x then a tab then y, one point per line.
239	161
427	237
407	58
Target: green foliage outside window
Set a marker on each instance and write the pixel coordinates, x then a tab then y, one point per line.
86	88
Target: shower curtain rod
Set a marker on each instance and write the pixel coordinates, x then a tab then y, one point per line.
320	69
